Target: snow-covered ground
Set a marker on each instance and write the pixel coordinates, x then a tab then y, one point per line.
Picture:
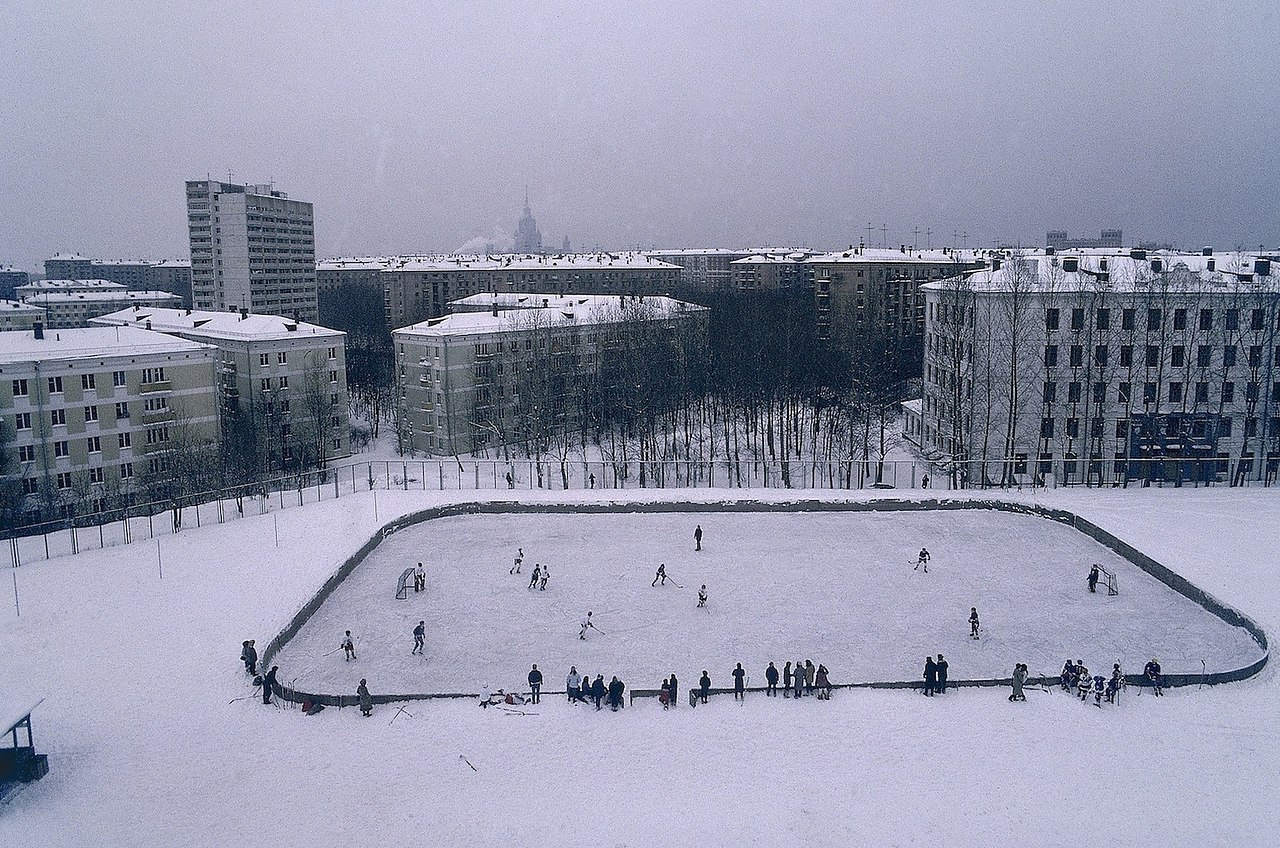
145	748
835	588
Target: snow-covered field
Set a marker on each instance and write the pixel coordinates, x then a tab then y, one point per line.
835	588
148	748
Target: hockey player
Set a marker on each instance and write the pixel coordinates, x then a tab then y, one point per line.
419	635
771	678
535	684
1114	684
660	575
1084	684
1093	577
348	646
697	538
923	559
973	622
537	575
1068	677
1099	686
515	569
702	596
546	575
419	579
587	624
1152	672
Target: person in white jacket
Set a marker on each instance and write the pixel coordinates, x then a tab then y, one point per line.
573	684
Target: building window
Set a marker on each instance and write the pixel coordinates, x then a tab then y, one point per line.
22	421
1204	356
64	480
1046	428
26	453
1202	392
1175	392
30	485
1104	319
1050	355
1233	319
333	376
1077	356
333	353
1073	428
1255	356
284	382
1228	392
125	439
152	375
337	444
1228	356
1126	355
1257	319
264	359
1122	428
87	382
1099	393
1149	393
55	385
1153	356
1051	319
1153	319
90	414
1096	427
19	388
1073	392
282	357
58	417
1179	319
1123	394
126	470
122	410
1206	319
95	475
1126	319
1179	356
94	443
1224	428
265	382
1100	354
1077	319
1250	392
61	449
1050	391
1250	427
117	378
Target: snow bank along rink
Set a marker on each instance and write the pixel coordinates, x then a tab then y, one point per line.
146	750
837	588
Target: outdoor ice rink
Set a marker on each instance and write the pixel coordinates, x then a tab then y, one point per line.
837	588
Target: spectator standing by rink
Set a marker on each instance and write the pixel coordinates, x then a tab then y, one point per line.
771	679
797	676
598	690
822	682
268	682
1152	672
1019	678
705	683
250	656
675	690
809	672
366	700
616	688
664	694
697	538
739	686
930	676
942	674
786	680
535	684
573	685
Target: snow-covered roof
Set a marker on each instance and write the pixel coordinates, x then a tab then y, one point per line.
356	263
569	310
15	708
60	297
1119	271
772	259
915	405
23	346
66	285
19	307
67	257
215	325
882	255
627	260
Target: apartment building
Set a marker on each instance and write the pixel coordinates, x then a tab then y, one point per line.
1076	365
418	288
66	286
470	379
788	271
282	383
171	275
15	315
97	415
866	295
10	279
703	269
72	309
251	248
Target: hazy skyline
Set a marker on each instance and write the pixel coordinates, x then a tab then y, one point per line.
653	125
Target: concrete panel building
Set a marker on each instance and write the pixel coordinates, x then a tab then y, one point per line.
1105	366
15	315
171	275
469	379
97	417
10	279
69	310
773	272
282	383
251	248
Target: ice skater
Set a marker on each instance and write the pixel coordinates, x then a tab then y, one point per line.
535	684
515	569
419	579
348	646
250	657
1114	684
941	666
546	575
923	560
1099	688
419	637
587	624
702	596
697	538
973	622
1093	577
660	575
268	682
1084	684
537	575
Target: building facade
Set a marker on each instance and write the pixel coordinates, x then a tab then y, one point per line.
251	248
773	272
1105	367
282	384
66	310
171	275
1109	239
703	269
98	418
528	238
473	380
418	288
10	280
15	315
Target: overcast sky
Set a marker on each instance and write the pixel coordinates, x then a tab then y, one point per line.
413	129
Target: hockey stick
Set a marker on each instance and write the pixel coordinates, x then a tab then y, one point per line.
468	762
241	698
398	711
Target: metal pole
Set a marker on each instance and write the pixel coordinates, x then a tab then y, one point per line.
16	606
375	504
275	521
159	561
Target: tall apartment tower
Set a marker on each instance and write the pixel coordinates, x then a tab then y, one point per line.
252	248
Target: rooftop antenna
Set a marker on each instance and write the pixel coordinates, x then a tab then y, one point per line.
884	232
870	229
928	239
965	236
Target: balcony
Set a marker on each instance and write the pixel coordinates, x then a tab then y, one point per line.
151	415
155	387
